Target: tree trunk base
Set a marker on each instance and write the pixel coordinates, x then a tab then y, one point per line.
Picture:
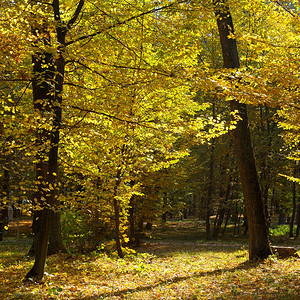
284	252
33	277
51	250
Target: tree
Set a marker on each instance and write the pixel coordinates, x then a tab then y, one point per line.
50	50
47	86
259	247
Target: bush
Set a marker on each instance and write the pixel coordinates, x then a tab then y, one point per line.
81	232
280	230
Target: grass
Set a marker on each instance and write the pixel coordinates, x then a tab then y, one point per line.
166	267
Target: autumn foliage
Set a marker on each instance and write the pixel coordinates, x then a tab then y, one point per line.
117	115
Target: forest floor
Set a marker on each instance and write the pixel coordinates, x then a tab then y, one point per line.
174	264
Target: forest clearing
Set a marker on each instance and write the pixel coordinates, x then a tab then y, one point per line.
174	264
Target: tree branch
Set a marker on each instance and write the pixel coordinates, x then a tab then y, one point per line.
81	86
111	116
119	23
22	80
93	71
285	8
23	93
76	14
55	5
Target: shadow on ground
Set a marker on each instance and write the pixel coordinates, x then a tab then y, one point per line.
175	279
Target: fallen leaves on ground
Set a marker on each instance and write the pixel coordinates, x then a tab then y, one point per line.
161	270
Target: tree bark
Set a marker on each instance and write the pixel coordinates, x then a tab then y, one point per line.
5	194
131	217
259	247
116	206
43	96
294	204
4	200
55	244
222	209
47	85
210	182
298	220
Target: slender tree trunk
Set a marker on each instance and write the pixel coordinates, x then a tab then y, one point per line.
210	184
116	206
221	213
227	216
265	166
4	204
294	205
165	205
209	192
272	203
117	228
131	211
298	221
4	193
236	217
259	247
229	205
239	221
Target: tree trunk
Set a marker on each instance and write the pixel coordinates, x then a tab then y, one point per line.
265	165
4	200
222	210
131	211
236	217
55	240
47	160
47	86
259	247
210	184
294	205
117	228
4	204
55	244
116	206
228	210
298	221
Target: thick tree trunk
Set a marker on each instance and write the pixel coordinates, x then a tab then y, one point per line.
37	271
43	96
55	238
55	241
47	85
259	247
